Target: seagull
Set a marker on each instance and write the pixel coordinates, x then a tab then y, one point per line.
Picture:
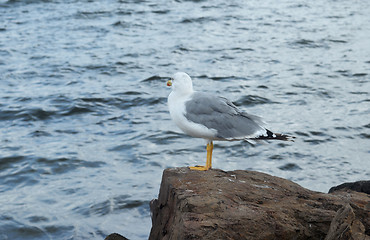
213	118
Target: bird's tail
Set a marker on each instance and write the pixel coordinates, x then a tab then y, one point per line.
274	136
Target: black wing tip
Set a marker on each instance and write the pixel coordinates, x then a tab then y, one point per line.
284	137
275	136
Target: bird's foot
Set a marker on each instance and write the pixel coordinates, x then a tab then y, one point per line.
200	168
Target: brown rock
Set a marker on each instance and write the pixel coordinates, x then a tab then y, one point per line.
115	236
348	225
246	205
359	186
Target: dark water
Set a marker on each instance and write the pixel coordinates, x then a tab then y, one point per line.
85	130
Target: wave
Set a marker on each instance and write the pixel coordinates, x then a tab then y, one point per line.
26	170
63	107
253	100
110	206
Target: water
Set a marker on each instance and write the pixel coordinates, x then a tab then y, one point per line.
85	130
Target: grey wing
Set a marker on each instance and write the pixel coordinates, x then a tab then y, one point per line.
222	115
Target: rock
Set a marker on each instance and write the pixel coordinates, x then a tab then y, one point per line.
248	205
347	225
115	236
359	186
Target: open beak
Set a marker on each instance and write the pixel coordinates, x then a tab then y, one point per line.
169	83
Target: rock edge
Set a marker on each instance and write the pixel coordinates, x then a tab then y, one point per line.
251	205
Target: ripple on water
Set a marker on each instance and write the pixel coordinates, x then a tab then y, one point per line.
317	141
7	162
155	78
139	101
199	20
32	227
37	219
364	135
17	230
64	165
276	157
123	147
164	137
301	134
37	114
29	114
290	167
39	133
92	14
250	100
65	107
26	171
110	206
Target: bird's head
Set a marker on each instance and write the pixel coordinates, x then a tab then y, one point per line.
181	82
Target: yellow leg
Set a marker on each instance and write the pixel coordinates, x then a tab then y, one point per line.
209	159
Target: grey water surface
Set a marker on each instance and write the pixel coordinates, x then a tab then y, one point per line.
85	131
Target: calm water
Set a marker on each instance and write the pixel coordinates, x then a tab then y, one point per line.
84	127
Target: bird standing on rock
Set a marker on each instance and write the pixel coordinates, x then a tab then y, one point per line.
211	117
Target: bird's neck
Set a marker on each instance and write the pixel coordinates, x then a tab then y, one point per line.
183	93
176	97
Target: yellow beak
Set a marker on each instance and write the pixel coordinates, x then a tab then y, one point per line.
169	83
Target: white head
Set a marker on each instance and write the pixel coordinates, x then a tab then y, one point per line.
181	83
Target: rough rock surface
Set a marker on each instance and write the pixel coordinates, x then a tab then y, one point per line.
251	205
347	224
115	236
359	186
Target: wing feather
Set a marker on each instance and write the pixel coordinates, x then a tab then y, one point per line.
222	115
